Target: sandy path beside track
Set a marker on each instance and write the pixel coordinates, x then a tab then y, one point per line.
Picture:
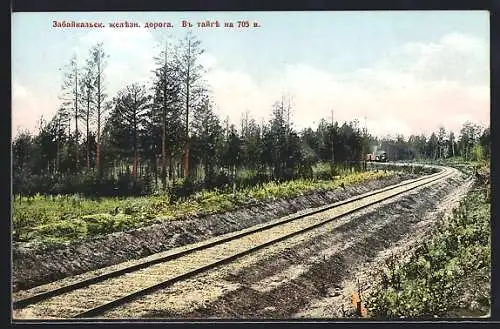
310	275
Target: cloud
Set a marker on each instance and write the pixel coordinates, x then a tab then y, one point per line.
207	60
26	104
18	91
130	51
456	57
415	89
130	60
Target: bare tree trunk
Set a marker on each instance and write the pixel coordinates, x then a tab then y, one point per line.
58	142
98	152
155	161
186	160
164	153
170	170
164	125
76	119
98	137
87	122
186	146
134	166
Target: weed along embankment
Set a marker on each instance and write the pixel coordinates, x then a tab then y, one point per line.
165	180
449	274
310	275
66	236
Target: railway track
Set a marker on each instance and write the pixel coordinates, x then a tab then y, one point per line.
93	296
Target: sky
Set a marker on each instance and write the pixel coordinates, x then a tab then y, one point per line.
396	72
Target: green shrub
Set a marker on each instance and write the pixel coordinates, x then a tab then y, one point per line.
440	272
122	222
24	218
106	215
477	153
107	223
99	223
182	188
67	230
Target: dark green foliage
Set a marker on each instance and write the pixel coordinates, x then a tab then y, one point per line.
86	183
220	181
142	133
39	218
182	188
250	180
220	158
70	229
24	221
444	274
107	223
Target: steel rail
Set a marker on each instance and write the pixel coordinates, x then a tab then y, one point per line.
23	302
122	300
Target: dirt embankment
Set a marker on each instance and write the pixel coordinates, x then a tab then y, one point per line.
35	265
311	276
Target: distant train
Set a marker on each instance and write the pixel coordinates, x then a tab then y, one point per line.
380	156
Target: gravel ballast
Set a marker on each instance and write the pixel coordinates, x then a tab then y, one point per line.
38	264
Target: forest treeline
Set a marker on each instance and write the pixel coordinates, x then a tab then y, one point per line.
166	136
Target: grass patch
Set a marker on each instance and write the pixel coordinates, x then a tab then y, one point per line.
449	276
67	218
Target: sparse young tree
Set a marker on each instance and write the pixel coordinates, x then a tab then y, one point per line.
71	98
451	141
88	105
166	104
177	123
131	105
442	142
469	135
485	141
231	158
61	122
208	138
252	144
432	146
98	63
191	73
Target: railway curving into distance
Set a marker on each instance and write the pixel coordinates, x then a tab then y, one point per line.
93	296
